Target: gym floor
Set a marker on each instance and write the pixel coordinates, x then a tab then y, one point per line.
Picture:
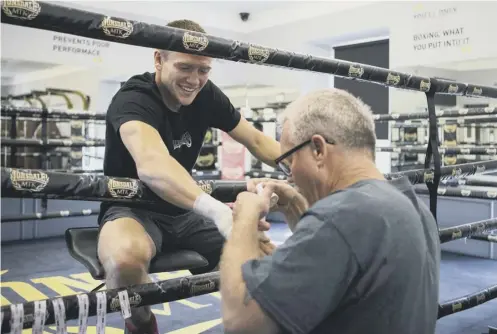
40	269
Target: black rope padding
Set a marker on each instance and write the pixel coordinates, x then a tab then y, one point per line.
415	176
475	122
259	173
48	16
143	294
482	150
33	183
471	182
469	121
467	302
439	114
49	215
46	143
461	192
402	144
76	171
36	154
58	114
466	230
484	237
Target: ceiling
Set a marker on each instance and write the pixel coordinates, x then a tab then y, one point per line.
222	15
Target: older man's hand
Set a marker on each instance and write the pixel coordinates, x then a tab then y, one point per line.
290	202
265	245
255	208
248	204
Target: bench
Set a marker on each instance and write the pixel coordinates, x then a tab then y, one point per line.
82	245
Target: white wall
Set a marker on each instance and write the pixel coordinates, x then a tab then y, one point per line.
428	33
482	77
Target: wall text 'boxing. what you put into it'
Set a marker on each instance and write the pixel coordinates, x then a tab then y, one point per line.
446	38
444	34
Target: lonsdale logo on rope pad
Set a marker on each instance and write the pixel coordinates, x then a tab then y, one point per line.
206	186
24	10
122	188
195	43
27	180
117	28
134	300
258	54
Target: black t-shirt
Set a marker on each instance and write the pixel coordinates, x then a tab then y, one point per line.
183	132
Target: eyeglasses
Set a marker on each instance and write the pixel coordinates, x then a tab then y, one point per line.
283	166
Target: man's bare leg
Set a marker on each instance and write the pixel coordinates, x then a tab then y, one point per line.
125	250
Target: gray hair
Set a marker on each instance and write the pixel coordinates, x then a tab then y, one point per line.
334	114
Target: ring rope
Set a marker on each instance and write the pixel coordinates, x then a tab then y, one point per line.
440	114
480	150
415	176
138	295
49	215
479	123
461	121
37	154
398	143
76	171
88	24
50	143
58	114
37	183
487	121
467	230
461	192
32	183
471	182
467	302
484	237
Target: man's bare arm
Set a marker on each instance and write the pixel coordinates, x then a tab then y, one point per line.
166	177
262	147
161	172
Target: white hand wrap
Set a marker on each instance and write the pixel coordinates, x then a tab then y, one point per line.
215	210
274	198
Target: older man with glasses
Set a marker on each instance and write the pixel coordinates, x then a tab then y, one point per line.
364	255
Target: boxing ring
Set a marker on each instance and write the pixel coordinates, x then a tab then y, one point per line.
46	184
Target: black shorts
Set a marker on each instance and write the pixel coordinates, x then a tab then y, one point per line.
169	233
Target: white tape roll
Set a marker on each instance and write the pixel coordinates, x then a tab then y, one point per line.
16	318
60	315
40	316
101	311
84	305
124	303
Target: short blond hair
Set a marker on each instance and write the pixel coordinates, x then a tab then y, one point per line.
334	114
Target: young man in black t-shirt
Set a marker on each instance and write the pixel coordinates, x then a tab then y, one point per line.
156	124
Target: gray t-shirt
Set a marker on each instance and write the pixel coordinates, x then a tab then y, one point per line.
362	260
